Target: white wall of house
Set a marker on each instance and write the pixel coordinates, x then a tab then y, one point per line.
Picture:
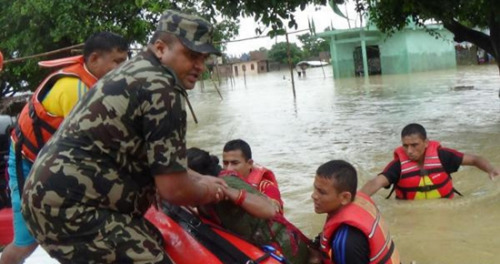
247	68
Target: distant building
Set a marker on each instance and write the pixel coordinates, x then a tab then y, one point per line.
253	63
466	54
250	67
258	55
360	50
223	70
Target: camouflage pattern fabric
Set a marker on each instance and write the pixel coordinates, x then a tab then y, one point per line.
193	31
93	181
276	232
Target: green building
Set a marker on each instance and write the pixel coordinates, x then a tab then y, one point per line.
363	51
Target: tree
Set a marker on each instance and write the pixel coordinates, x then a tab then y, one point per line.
312	46
464	18
279	52
32	26
269	13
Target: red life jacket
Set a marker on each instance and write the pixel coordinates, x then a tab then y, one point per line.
256	176
35	125
365	216
412	175
259	173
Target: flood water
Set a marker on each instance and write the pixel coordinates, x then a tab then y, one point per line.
360	121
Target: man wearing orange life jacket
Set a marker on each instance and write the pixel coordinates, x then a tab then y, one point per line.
354	231
421	168
237	156
41	116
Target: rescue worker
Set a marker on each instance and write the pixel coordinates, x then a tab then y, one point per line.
41	116
250	214
421	168
121	146
237	156
354	231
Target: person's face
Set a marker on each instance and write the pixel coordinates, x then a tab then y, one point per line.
188	65
101	62
326	198
234	160
414	146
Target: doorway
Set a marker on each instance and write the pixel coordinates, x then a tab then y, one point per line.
373	56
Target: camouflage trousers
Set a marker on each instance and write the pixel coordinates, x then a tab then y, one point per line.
118	238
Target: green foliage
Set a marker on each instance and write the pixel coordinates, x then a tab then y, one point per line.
224	31
35	26
312	46
391	15
270	12
279	52
31	27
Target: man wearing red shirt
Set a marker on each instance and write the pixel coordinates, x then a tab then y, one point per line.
237	156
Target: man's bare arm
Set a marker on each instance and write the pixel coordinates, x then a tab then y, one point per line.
372	186
189	188
482	164
256	205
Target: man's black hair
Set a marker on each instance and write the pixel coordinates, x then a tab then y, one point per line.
346	178
239	144
166	37
104	41
202	162
414	129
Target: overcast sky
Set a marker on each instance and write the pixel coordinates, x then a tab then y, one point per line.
323	17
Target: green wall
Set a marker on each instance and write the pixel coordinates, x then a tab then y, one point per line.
410	50
394	54
415	51
427	53
345	62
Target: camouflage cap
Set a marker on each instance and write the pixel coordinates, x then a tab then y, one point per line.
194	32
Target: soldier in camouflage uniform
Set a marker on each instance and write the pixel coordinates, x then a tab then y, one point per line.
91	184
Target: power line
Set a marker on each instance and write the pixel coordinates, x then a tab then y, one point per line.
257	37
44	54
81	45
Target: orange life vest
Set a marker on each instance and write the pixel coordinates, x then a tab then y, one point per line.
431	179
259	173
35	125
364	215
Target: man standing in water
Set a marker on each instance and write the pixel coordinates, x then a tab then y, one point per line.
421	168
354	231
237	156
42	115
124	142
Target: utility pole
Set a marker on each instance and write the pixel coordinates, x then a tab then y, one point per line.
290	64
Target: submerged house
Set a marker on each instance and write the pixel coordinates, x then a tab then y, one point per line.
250	67
365	51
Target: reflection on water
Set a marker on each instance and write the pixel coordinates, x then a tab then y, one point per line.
360	121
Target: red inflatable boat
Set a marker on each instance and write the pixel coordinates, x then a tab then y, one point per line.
187	239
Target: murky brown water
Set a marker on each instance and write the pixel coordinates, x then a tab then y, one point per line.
360	121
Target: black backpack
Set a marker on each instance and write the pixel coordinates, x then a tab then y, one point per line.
6	125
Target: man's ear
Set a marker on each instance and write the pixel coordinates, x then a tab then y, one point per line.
159	48
250	161
93	58
345	197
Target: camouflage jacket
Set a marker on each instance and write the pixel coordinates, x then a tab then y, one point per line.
127	129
